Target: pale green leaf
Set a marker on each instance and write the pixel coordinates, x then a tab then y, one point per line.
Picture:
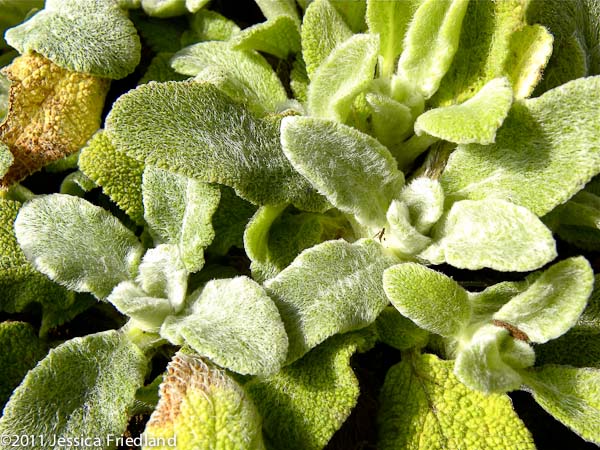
279	37
398	331
179	211
208	25
544	153
102	40
355	172
423	407
424	198
253	77
495	42
195	5
299	79
163	274
119	176
323	29
391	121
77	183
403	237
146	312
13	12
4	97
206	136
570	395
305	403
77	244
342	75
390	20
353	12
21	350
553	303
486	303
273	9
6	158
429	298
430	43
83	388
160	70
202	408
332	288
491	233
474	121
235	324
490	360
160	35
164	8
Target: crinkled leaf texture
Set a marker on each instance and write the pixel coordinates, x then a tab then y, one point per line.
343	74
474	121
331	288
89	36
235	324
206	136
77	244
423	406
545	152
491	233
570	395
203	408
355	172
179	211
119	176
83	388
249	75
305	403
432	300
21	350
553	302
52	113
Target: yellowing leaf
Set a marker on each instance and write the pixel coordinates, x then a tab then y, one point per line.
424	406
52	113
201	408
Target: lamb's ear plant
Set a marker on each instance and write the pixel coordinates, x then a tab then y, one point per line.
269	201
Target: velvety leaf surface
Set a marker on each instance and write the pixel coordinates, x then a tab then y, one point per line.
203	408
423	406
491	233
13	12
102	40
84	387
279	37
208	25
398	331
119	175
432	300
305	403
544	153
206	136
235	324
49	230
52	113
355	172
332	288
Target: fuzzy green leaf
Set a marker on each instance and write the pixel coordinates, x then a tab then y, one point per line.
6	157
403	237
205	135
390	20
429	298
83	388
332	288
279	37
119	175
160	70
164	8
495	42
102	40
553	303
21	350
77	244
491	233
424	199
202	407
342	75
323	29
398	331
252	77
391	121
178	211
355	172
430	43
474	121
305	403
544	153
13	12
570	395
235	324
208	25
423	406
272	9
